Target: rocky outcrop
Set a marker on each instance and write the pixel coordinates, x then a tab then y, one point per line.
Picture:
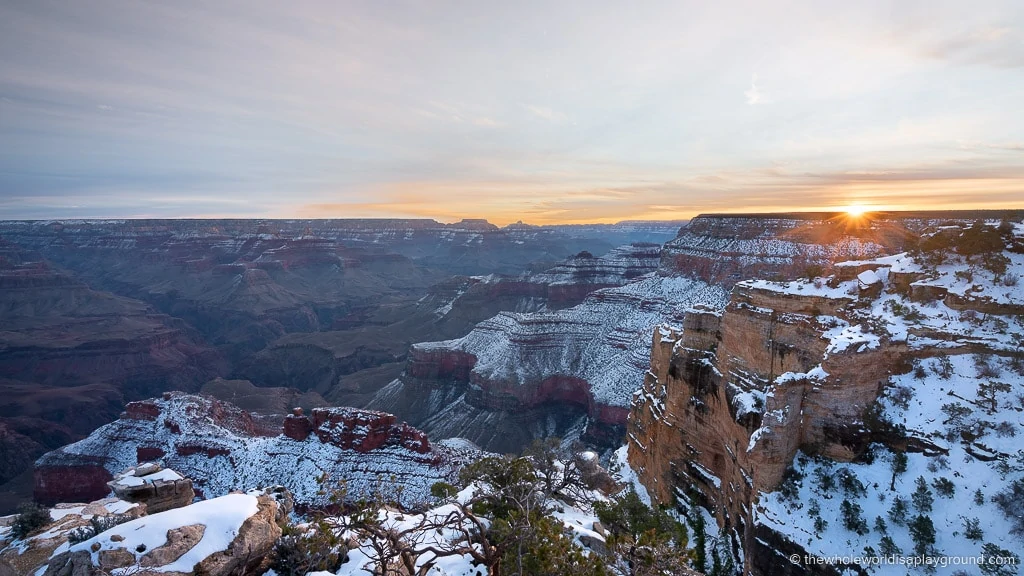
233	534
353	429
155	487
31	555
222	448
787	366
727	248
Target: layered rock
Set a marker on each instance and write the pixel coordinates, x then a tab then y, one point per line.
223	448
797	366
153	486
70	356
726	248
580	360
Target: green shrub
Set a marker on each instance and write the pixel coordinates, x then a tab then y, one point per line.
31	517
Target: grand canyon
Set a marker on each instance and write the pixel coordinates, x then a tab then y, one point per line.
762	372
559	288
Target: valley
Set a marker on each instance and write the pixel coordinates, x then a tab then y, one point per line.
787	378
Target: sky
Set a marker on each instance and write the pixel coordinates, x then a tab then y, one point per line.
549	111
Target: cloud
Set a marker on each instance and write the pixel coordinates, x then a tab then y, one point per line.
546	113
996	46
449	111
754	93
486	122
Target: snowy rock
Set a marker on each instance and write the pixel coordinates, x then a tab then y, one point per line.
158	488
232	534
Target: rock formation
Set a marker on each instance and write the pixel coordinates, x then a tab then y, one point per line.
733	396
153	486
232	534
224	448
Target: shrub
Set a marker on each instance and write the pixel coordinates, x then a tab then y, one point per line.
97	525
31	517
1006	430
979	497
944	486
938	463
980	239
1011	502
972	530
985	367
852	519
298	552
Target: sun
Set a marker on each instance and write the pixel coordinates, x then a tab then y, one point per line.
856	210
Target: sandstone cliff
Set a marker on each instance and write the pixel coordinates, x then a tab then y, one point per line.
799	367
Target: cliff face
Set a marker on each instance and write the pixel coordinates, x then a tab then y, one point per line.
558	367
592	356
798	367
70	356
726	248
224	448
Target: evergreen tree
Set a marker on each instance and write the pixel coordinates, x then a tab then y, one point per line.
852	520
899	466
888	547
880	525
922	496
979	498
922	532
898	511
972	529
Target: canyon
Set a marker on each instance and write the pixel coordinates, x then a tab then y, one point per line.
99	313
740	361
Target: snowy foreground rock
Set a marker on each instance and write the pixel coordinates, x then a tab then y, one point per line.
231	534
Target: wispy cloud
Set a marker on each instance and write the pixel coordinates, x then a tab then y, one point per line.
754	93
546	113
442	111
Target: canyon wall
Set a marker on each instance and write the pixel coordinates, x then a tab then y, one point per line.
733	394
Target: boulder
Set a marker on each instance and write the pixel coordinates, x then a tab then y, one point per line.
233	534
158	488
34	552
179	541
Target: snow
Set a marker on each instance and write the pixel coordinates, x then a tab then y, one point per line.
923	418
627	475
868	277
58	513
268	460
842	291
605	340
843	337
222	516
